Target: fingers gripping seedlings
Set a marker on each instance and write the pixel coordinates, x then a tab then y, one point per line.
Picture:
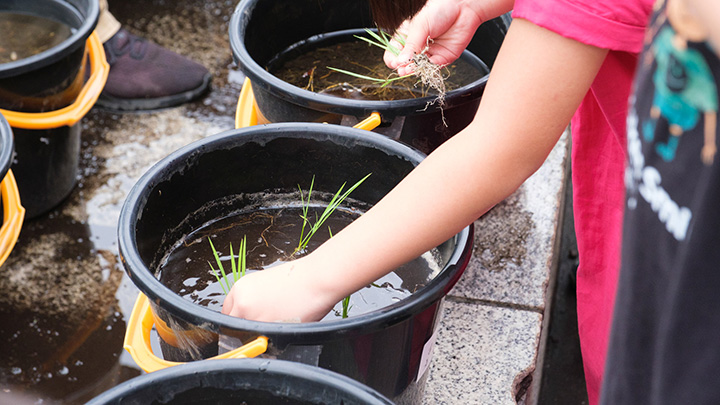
381	40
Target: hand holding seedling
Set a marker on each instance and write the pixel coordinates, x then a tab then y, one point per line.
441	30
258	298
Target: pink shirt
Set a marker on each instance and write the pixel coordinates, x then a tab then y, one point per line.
598	155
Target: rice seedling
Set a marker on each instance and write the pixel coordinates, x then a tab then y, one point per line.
238	268
381	40
346	301
337	199
428	73
346	306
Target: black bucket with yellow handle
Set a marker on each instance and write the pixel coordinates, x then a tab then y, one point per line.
47	144
417	121
43	52
388	349
12	209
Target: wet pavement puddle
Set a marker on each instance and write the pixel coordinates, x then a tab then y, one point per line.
66	297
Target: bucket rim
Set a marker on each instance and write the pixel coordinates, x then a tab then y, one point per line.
73	113
263	79
204	374
7	146
49	56
158	294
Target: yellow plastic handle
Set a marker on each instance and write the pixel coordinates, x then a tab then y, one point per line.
73	113
370	122
13	214
137	340
246	114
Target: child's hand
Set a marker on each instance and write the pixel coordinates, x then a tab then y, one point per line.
281	293
449	24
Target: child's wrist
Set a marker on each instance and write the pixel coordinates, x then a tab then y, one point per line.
326	278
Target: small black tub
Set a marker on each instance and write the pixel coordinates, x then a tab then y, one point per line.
243	381
255	42
388	349
53	78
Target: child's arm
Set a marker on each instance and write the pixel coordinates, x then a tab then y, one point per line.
536	84
708	13
450	23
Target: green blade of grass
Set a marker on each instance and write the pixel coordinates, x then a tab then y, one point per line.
346	301
217	276
370	41
393	50
388	81
400	38
242	258
334	203
305	208
220	267
303	215
238	270
358	75
378	37
232	264
346	306
351	189
383	41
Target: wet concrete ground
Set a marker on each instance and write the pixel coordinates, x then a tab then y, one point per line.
66	297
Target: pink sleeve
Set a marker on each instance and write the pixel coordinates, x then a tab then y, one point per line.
612	24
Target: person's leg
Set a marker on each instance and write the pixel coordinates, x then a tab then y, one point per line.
144	75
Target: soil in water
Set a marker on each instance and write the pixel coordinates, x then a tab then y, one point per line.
272	237
25	35
306	66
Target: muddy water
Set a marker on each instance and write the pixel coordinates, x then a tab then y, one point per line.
25	35
272	236
307	67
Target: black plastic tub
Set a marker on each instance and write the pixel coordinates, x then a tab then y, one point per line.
47	144
387	349
254	40
51	79
246	381
46	166
12	210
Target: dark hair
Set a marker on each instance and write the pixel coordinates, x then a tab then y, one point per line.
389	14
